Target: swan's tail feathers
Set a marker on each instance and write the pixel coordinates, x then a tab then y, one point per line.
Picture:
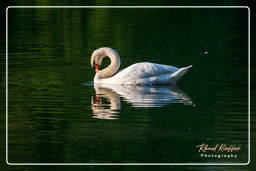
178	74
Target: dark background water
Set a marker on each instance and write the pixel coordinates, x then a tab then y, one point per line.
50	112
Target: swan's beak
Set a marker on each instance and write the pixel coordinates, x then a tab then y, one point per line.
96	67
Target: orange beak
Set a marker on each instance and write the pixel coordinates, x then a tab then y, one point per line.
96	67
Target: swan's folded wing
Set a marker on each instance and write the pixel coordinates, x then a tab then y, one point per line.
164	78
161	79
146	69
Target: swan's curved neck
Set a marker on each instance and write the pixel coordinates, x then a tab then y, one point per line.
114	65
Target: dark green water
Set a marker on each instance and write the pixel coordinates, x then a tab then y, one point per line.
56	115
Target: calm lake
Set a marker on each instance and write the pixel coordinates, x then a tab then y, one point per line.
57	115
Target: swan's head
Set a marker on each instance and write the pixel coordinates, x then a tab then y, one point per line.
96	59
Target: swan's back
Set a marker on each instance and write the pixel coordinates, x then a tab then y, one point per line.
142	70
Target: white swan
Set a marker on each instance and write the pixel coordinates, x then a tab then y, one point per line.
138	73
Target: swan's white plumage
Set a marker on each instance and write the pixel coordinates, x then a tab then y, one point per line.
141	73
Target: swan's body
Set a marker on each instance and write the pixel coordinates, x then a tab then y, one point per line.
138	73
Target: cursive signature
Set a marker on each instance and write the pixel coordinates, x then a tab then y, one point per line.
218	148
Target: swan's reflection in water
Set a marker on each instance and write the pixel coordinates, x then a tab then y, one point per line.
106	103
